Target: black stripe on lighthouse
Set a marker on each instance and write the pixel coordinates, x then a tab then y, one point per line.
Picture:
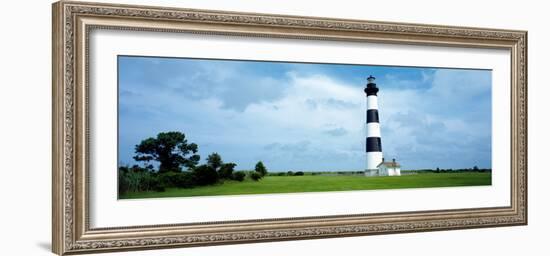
372	116
374	144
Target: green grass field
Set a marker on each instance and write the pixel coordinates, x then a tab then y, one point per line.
319	183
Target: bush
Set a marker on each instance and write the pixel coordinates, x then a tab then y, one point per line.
255	176
185	180
150	182
157	186
238	176
123	181
260	168
136	179
281	174
167	179
205	175
300	173
289	173
177	179
226	170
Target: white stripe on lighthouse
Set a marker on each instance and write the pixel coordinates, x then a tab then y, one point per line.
373	160
372	102
373	130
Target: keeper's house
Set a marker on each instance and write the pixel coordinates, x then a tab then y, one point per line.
392	168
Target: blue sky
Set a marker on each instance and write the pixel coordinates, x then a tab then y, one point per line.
302	116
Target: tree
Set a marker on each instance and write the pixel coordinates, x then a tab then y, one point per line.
260	168
171	149
255	176
214	160
205	175
239	176
226	170
476	169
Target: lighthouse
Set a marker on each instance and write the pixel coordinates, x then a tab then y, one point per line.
373	142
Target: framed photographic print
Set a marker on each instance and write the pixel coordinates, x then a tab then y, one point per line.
179	127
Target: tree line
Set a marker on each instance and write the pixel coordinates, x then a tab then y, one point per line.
178	166
441	170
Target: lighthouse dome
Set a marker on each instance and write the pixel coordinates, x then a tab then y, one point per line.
371	88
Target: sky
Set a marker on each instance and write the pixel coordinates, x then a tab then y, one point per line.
306	116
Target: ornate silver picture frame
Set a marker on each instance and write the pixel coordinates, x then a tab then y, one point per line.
74	21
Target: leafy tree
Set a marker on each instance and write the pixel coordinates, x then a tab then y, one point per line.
255	176
171	149
239	176
226	170
205	175
299	173
476	169
214	160
260	168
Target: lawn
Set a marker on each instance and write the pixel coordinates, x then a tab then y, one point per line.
317	183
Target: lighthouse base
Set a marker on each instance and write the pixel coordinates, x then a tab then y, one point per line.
372	172
383	172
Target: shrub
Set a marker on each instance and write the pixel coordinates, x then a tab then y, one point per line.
255	176
123	181
281	174
177	179
238	176
205	175
289	173
226	170
150	182
299	173
157	186
168	179
136	179
186	180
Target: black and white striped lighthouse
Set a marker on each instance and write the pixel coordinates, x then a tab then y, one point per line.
373	141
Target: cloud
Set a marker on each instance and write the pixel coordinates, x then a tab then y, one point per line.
289	147
336	132
452	84
448	125
235	84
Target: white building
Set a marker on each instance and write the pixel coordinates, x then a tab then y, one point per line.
392	168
